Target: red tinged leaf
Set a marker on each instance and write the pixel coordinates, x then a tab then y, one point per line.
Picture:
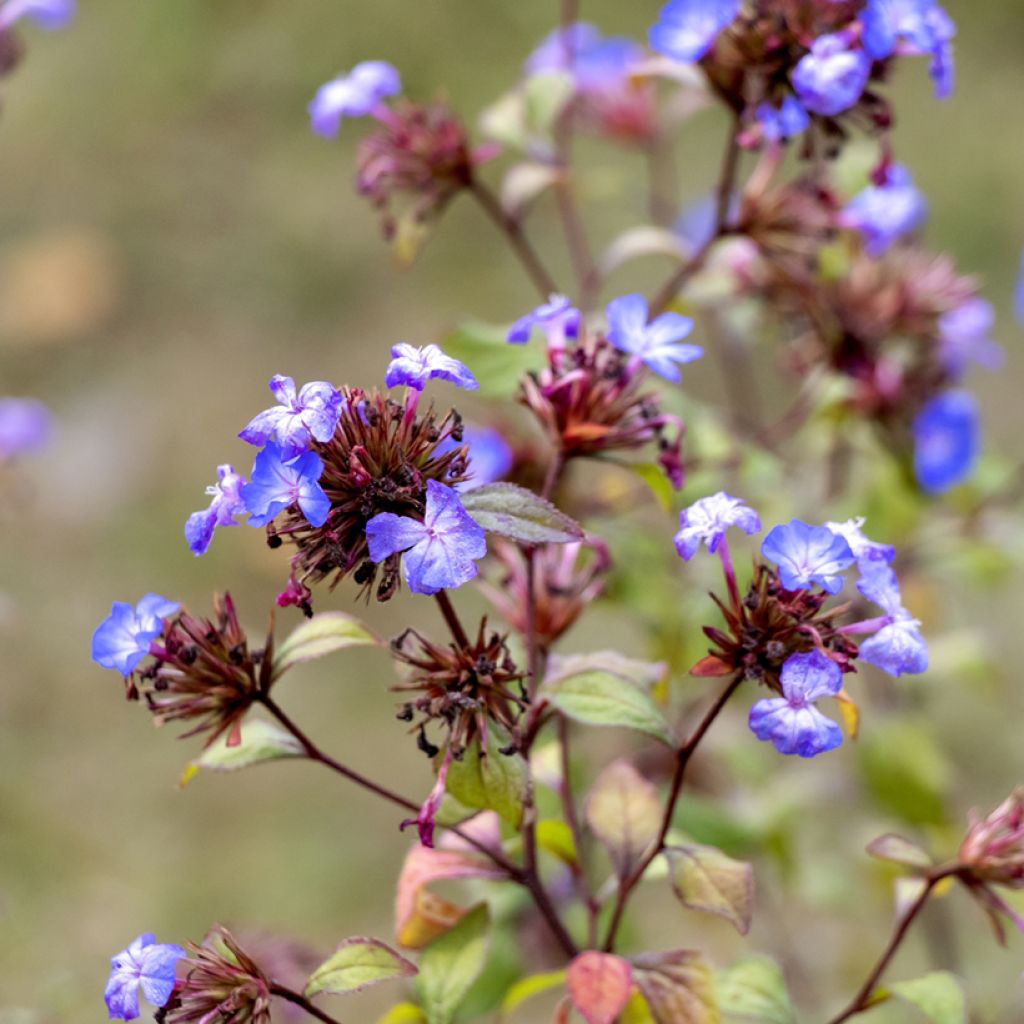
711	667
599	985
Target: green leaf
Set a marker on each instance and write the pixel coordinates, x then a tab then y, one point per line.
451	964
514	512
644	674
899	851
679	987
706	879
600	698
496	363
319	636
358	963
260	741
555	836
404	1013
625	814
657	483
937	995
490	782
755	990
599	985
527	988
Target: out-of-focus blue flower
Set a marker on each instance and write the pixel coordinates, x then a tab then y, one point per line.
946	441
786	121
965	337
558	318
353	95
867	552
48	14
912	27
658	343
145	962
885	213
226	504
832	77
707	520
807	555
792	722
490	455
1018	293
312	413
595	63
122	639
413	367
276	484
25	426
687	29
440	552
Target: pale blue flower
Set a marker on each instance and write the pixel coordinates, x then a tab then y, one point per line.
687	29
146	963
122	639
226	504
708	519
808	555
25	426
353	95
276	484
831	78
946	441
413	367
658	343
884	213
48	14
311	414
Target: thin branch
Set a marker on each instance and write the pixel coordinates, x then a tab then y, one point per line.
301	1000
451	617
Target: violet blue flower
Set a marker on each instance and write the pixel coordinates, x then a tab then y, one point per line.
48	14
687	29
25	426
276	484
353	95
558	318
832	77
807	555
1018	293
946	441
792	722
878	583
965	337
122	639
897	648
885	213
595	63
226	504
145	962
440	551
786	121
708	519
912	27
867	552
490	455
413	367
311	414
658	343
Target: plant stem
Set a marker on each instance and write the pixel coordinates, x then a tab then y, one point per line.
513	232
451	617
862	999
301	1000
683	756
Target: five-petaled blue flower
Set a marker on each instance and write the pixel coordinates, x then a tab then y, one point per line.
276	484
807	555
658	343
912	27
490	455
226	504
792	722
595	63
965	337
785	121
122	639
866	551
25	425
145	962
558	318
353	95
687	29
413	367
832	77
440	552
946	441
707	520
49	14
886	212
312	413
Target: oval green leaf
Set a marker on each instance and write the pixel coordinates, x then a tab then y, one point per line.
358	963
260	741
450	965
520	515
706	879
319	636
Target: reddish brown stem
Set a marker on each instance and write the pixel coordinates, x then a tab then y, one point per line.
300	1000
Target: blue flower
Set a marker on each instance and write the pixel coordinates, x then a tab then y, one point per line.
440	551
490	455
122	639
353	95
912	27
867	552
656	343
1018	293
707	520
226	504
792	722
276	484
687	29
832	77
965	337
807	555
48	14
884	213
558	318
596	64
897	648
25	426
313	413
786	121
145	962
413	367
946	441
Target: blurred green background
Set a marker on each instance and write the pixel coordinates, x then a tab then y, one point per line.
171	234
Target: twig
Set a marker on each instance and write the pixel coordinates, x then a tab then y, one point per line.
300	1000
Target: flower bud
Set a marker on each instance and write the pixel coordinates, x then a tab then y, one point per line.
993	849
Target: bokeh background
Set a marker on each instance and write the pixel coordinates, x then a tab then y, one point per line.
171	234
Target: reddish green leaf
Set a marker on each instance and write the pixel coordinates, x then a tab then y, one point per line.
599	985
